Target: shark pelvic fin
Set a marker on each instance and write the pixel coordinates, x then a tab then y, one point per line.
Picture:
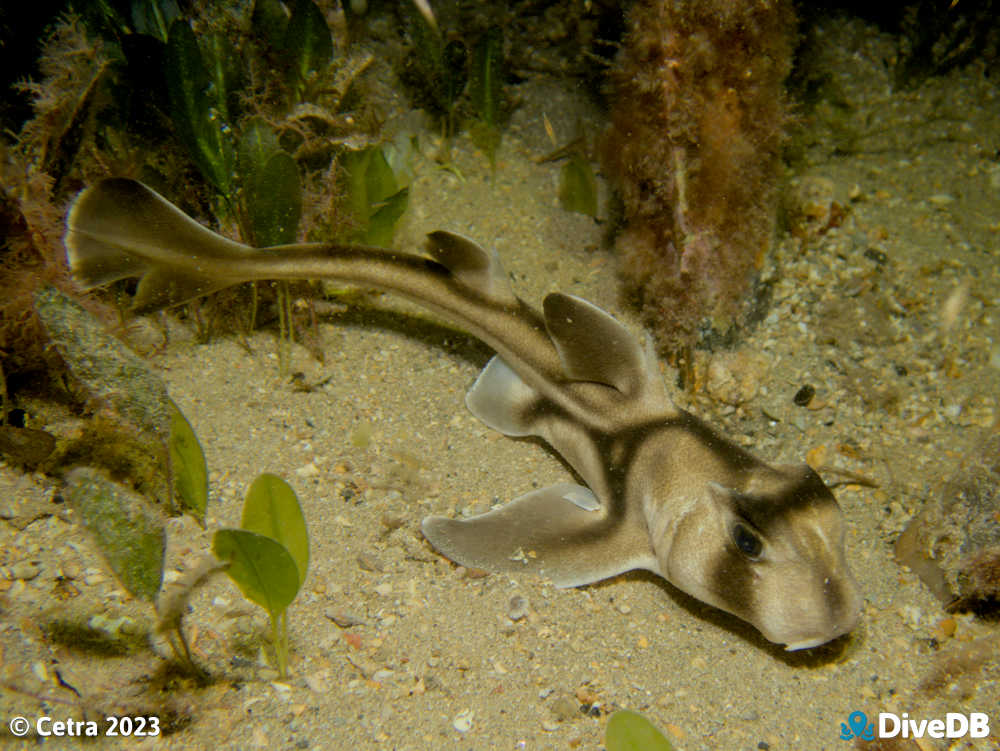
502	400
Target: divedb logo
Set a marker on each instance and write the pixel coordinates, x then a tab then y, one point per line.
890	725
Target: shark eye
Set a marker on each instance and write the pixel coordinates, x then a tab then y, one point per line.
748	542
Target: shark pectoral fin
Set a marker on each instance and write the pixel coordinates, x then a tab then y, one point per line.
472	265
559	532
593	346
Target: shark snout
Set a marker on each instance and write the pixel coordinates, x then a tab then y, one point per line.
817	610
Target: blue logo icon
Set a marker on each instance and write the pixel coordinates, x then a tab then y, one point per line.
860	727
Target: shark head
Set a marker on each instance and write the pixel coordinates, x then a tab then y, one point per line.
767	545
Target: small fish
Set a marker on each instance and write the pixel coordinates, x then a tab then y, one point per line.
662	491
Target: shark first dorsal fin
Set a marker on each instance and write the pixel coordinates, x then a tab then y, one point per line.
593	346
472	265
560	532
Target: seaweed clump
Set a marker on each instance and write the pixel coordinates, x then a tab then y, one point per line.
954	543
939	37
30	258
243	117
693	149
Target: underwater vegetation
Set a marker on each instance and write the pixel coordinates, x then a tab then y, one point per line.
31	257
697	116
942	36
459	76
630	731
267	557
244	116
953	545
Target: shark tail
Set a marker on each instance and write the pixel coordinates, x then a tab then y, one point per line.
119	229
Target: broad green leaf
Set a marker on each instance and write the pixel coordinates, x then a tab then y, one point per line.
355	165
200	125
188	463
111	372
153	17
258	143
272	509
273	201
270	22
373	194
400	155
486	92
485	85
261	567
308	46
382	224
129	532
380	182
225	73
578	187
630	731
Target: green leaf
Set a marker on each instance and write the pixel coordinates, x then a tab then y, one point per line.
382	224
485	87
273	201
630	731
272	509
258	143
400	155
442	67
373	194
270	22
307	47
225	73
272	192
355	165
380	182
153	17
199	124
128	531
578	187
261	567
188	463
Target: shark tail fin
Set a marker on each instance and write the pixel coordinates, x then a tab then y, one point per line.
119	228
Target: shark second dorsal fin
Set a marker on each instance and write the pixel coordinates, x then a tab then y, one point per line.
593	346
472	265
